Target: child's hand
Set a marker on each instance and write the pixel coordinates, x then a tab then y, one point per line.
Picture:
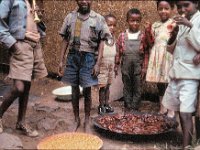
116	70
147	26
96	70
196	59
14	48
180	20
60	69
143	73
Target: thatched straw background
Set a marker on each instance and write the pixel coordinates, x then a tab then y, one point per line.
56	10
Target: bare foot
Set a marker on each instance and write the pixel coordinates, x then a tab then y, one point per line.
87	126
163	110
171	114
75	125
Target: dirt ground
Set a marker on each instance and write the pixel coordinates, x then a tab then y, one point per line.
50	116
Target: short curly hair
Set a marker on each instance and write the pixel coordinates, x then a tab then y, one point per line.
171	3
110	16
133	11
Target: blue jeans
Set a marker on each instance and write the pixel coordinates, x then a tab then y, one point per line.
79	68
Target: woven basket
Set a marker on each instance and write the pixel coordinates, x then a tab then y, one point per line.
71	141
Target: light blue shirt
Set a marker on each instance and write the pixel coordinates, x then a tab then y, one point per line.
13	21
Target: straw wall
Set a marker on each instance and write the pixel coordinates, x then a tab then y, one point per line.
56	10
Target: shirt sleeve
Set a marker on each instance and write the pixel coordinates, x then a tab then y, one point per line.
5	37
104	33
65	29
193	37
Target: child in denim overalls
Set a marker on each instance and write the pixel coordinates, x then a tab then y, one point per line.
131	47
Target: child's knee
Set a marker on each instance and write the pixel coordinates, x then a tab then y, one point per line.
186	116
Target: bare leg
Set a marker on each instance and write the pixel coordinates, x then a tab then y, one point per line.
16	90
162	110
187	127
23	101
102	97
161	91
75	105
87	106
109	109
171	113
107	93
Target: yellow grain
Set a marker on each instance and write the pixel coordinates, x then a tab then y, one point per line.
76	141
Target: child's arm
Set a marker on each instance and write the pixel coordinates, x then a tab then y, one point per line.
65	34
149	34
192	36
64	51
96	68
196	59
145	48
117	62
119	49
5	36
171	44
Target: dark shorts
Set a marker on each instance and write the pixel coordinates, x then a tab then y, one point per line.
79	68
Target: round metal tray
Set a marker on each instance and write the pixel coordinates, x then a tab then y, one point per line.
173	124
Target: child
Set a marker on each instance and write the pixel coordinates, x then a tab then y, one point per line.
184	44
26	61
160	60
131	46
83	33
107	68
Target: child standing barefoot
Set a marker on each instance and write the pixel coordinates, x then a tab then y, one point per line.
184	44
107	68
160	60
83	32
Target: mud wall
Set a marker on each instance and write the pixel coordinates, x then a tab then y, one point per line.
56	10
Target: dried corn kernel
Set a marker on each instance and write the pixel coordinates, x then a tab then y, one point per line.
71	141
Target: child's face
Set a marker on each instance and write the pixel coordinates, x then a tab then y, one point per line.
134	21
186	7
84	5
164	10
111	22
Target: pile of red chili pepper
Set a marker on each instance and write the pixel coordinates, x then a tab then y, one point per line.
139	124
